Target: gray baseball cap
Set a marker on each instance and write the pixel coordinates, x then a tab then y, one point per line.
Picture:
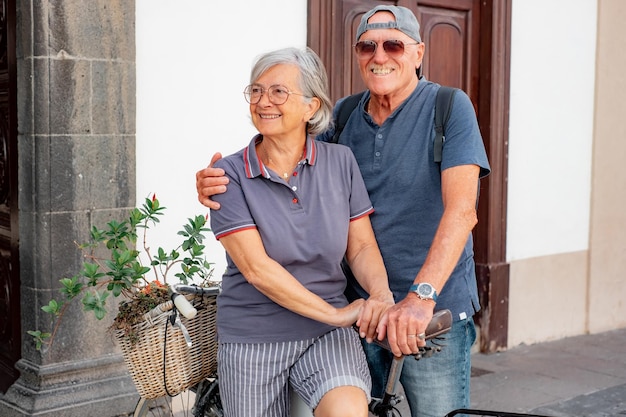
406	22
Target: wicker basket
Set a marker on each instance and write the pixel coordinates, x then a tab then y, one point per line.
183	366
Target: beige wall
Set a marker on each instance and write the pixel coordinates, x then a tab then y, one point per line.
547	298
607	255
568	294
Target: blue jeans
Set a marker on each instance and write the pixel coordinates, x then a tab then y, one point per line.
433	386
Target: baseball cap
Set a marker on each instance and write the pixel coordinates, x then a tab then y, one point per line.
406	22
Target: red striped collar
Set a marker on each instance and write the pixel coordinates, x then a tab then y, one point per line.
255	167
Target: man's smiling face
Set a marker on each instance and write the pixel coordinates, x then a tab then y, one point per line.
386	74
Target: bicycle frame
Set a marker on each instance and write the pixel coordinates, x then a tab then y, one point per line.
385	406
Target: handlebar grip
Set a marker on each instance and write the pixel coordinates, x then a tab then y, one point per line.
194	289
441	323
184	306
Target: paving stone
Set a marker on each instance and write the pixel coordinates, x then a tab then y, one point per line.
579	376
608	402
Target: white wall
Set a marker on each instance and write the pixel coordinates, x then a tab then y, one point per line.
553	46
193	62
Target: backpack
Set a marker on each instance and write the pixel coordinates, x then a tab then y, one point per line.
443	108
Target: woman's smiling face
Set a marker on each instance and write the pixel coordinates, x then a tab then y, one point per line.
287	119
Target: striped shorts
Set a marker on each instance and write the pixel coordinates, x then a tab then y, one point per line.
255	377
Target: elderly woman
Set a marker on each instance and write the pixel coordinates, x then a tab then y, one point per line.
293	210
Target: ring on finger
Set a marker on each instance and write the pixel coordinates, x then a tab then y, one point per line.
421	336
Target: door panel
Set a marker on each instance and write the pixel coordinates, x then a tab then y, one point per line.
10	332
447	35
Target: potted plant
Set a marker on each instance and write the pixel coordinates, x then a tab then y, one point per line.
115	266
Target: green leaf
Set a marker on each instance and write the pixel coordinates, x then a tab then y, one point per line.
123	257
182	278
139	269
161	255
97	235
117	289
136	217
95	301
91	272
52	308
90	269
196	250
151	209
39	337
71	287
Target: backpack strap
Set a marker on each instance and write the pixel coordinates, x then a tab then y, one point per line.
344	112
443	108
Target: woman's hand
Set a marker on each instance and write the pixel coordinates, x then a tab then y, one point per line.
371	314
348	315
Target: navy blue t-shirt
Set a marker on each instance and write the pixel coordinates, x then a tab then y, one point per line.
404	185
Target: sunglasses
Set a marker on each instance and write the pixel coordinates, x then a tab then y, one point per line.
393	47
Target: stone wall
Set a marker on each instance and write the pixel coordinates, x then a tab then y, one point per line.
76	145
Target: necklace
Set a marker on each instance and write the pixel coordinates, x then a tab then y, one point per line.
271	161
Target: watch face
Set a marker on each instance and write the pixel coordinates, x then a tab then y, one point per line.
425	290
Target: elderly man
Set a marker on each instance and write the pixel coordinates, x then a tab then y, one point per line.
424	211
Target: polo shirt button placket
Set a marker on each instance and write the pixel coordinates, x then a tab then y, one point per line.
294	177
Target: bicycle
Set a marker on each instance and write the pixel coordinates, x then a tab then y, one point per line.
203	399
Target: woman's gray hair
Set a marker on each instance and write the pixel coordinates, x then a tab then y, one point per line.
313	80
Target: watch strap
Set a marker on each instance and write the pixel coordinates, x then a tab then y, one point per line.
415	288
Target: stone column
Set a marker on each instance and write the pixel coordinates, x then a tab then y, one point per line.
76	122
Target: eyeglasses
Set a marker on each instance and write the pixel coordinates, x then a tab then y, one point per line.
393	47
277	94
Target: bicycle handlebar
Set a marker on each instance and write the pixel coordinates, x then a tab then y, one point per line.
183	305
196	290
441	323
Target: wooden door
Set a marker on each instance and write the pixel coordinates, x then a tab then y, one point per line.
10	333
451	57
467	46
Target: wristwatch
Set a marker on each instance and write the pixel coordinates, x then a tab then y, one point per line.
425	291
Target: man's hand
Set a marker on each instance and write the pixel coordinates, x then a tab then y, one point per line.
403	324
211	181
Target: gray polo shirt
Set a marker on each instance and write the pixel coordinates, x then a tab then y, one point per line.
304	227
